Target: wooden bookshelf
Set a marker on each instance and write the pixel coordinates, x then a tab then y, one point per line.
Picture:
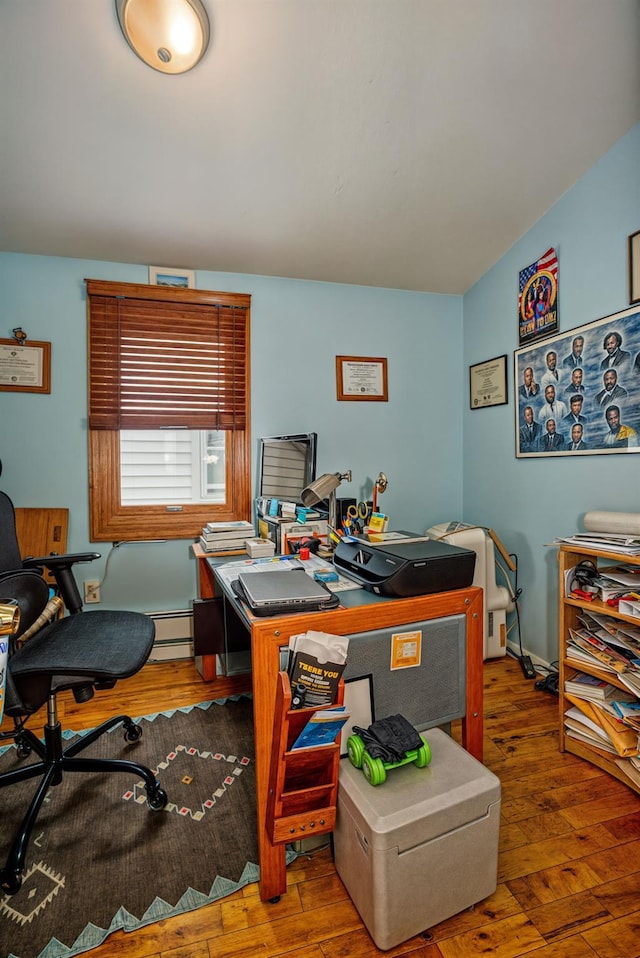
569	608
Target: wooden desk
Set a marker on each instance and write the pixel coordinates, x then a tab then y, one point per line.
207	590
268	635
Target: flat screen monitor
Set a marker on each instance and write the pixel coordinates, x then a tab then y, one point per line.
287	465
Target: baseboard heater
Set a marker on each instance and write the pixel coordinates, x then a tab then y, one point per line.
174	635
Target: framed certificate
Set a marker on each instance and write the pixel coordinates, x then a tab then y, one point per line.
488	383
25	368
361	378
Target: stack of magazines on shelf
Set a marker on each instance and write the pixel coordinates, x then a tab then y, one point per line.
604	711
620	543
226	536
609	644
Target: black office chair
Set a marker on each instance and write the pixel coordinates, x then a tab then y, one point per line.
82	651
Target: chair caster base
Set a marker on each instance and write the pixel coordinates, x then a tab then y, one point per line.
157	799
132	732
10	881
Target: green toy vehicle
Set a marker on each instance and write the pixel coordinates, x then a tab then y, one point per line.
375	770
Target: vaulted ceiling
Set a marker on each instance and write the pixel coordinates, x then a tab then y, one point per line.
396	143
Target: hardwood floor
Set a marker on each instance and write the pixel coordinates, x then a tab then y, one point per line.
569	865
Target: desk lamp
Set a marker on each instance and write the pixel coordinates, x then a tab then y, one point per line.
325	487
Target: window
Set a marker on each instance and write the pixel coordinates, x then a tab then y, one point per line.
169	404
172	466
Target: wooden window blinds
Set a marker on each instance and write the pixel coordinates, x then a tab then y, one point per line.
167	357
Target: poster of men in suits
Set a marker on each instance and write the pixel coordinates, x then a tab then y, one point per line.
581	389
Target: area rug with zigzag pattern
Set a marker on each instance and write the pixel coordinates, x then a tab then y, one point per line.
100	860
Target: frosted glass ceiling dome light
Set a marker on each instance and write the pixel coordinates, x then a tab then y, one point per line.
169	35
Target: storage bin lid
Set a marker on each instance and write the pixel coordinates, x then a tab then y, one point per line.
416	805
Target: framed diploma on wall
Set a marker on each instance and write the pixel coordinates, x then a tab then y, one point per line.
361	378
25	367
488	383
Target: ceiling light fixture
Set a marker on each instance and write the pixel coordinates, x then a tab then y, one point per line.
169	35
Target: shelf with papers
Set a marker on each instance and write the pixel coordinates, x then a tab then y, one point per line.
615	751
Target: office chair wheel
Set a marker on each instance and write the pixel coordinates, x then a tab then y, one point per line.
132	733
23	749
157	799
10	881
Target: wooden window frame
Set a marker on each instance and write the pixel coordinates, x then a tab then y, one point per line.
112	522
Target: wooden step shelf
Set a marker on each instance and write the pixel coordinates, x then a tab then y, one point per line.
303	783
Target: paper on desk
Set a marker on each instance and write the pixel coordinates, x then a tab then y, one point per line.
230	570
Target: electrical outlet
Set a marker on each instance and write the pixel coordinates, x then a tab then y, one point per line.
91	591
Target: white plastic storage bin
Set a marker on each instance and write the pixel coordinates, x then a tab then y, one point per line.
420	847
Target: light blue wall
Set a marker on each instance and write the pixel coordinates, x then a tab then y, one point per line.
297	330
438	454
529	502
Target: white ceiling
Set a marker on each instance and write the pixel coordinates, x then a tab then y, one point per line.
397	143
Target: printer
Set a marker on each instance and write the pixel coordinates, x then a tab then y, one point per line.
404	567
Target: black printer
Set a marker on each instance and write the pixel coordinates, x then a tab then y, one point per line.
401	568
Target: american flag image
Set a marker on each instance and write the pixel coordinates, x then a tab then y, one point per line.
548	261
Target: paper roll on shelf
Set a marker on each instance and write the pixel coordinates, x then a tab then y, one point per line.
619	522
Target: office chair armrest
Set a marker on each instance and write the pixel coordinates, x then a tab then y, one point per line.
54	561
61	568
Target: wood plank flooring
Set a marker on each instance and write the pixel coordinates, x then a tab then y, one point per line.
569	865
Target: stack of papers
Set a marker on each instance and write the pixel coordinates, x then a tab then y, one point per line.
609	645
597	726
603	542
631	768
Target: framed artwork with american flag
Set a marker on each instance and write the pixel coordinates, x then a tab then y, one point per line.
538	299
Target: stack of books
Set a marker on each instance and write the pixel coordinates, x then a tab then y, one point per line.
226	536
593	689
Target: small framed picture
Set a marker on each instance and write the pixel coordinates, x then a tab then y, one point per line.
361	378
168	276
634	267
488	383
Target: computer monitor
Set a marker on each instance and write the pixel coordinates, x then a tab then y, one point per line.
287	465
